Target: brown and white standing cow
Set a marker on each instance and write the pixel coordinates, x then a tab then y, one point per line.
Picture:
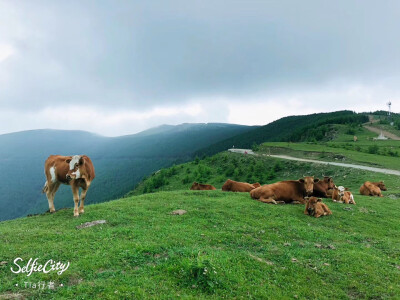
285	191
76	171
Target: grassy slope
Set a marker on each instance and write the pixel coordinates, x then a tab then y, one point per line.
145	252
216	169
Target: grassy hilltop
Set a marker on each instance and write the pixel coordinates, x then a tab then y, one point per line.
227	245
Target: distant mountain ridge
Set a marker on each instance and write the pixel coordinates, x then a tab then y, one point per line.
120	162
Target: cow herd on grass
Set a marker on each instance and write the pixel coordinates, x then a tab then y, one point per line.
307	190
78	172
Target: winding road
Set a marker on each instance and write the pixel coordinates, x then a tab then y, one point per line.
366	168
372	169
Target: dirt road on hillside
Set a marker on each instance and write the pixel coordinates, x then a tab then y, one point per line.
385	133
366	168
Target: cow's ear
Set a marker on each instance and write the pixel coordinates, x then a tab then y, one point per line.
301	180
316	180
68	160
319	199
81	161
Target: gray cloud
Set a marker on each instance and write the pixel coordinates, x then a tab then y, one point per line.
116	55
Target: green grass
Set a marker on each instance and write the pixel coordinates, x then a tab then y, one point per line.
256	250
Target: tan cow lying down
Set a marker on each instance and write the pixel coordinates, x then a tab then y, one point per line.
372	188
316	208
76	171
235	186
202	187
342	195
285	191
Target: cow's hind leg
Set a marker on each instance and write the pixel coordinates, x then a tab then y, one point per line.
50	193
75	194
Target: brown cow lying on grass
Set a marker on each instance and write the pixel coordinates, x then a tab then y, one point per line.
285	191
234	186
373	188
342	195
316	208
202	187
321	187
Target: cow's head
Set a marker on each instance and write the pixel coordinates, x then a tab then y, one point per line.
311	202
382	186
329	181
256	185
341	190
75	164
227	185
194	185
308	182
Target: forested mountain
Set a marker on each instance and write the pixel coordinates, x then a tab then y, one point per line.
120	162
291	129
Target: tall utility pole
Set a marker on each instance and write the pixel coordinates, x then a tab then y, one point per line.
389	104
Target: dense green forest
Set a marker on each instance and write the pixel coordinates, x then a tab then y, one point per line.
293	128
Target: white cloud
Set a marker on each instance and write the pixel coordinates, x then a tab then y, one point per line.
5	52
94	119
359	98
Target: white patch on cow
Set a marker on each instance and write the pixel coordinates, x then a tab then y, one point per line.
341	189
77	174
53	174
74	160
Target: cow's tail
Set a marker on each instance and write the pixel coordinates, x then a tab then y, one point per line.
45	188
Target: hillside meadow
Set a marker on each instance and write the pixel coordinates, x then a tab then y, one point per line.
217	169
226	246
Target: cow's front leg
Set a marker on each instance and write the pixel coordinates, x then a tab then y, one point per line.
75	194
299	200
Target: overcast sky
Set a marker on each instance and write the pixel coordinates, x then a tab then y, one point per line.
119	67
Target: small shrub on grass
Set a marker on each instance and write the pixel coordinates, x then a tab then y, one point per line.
278	166
229	170
201	274
187	179
373	149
